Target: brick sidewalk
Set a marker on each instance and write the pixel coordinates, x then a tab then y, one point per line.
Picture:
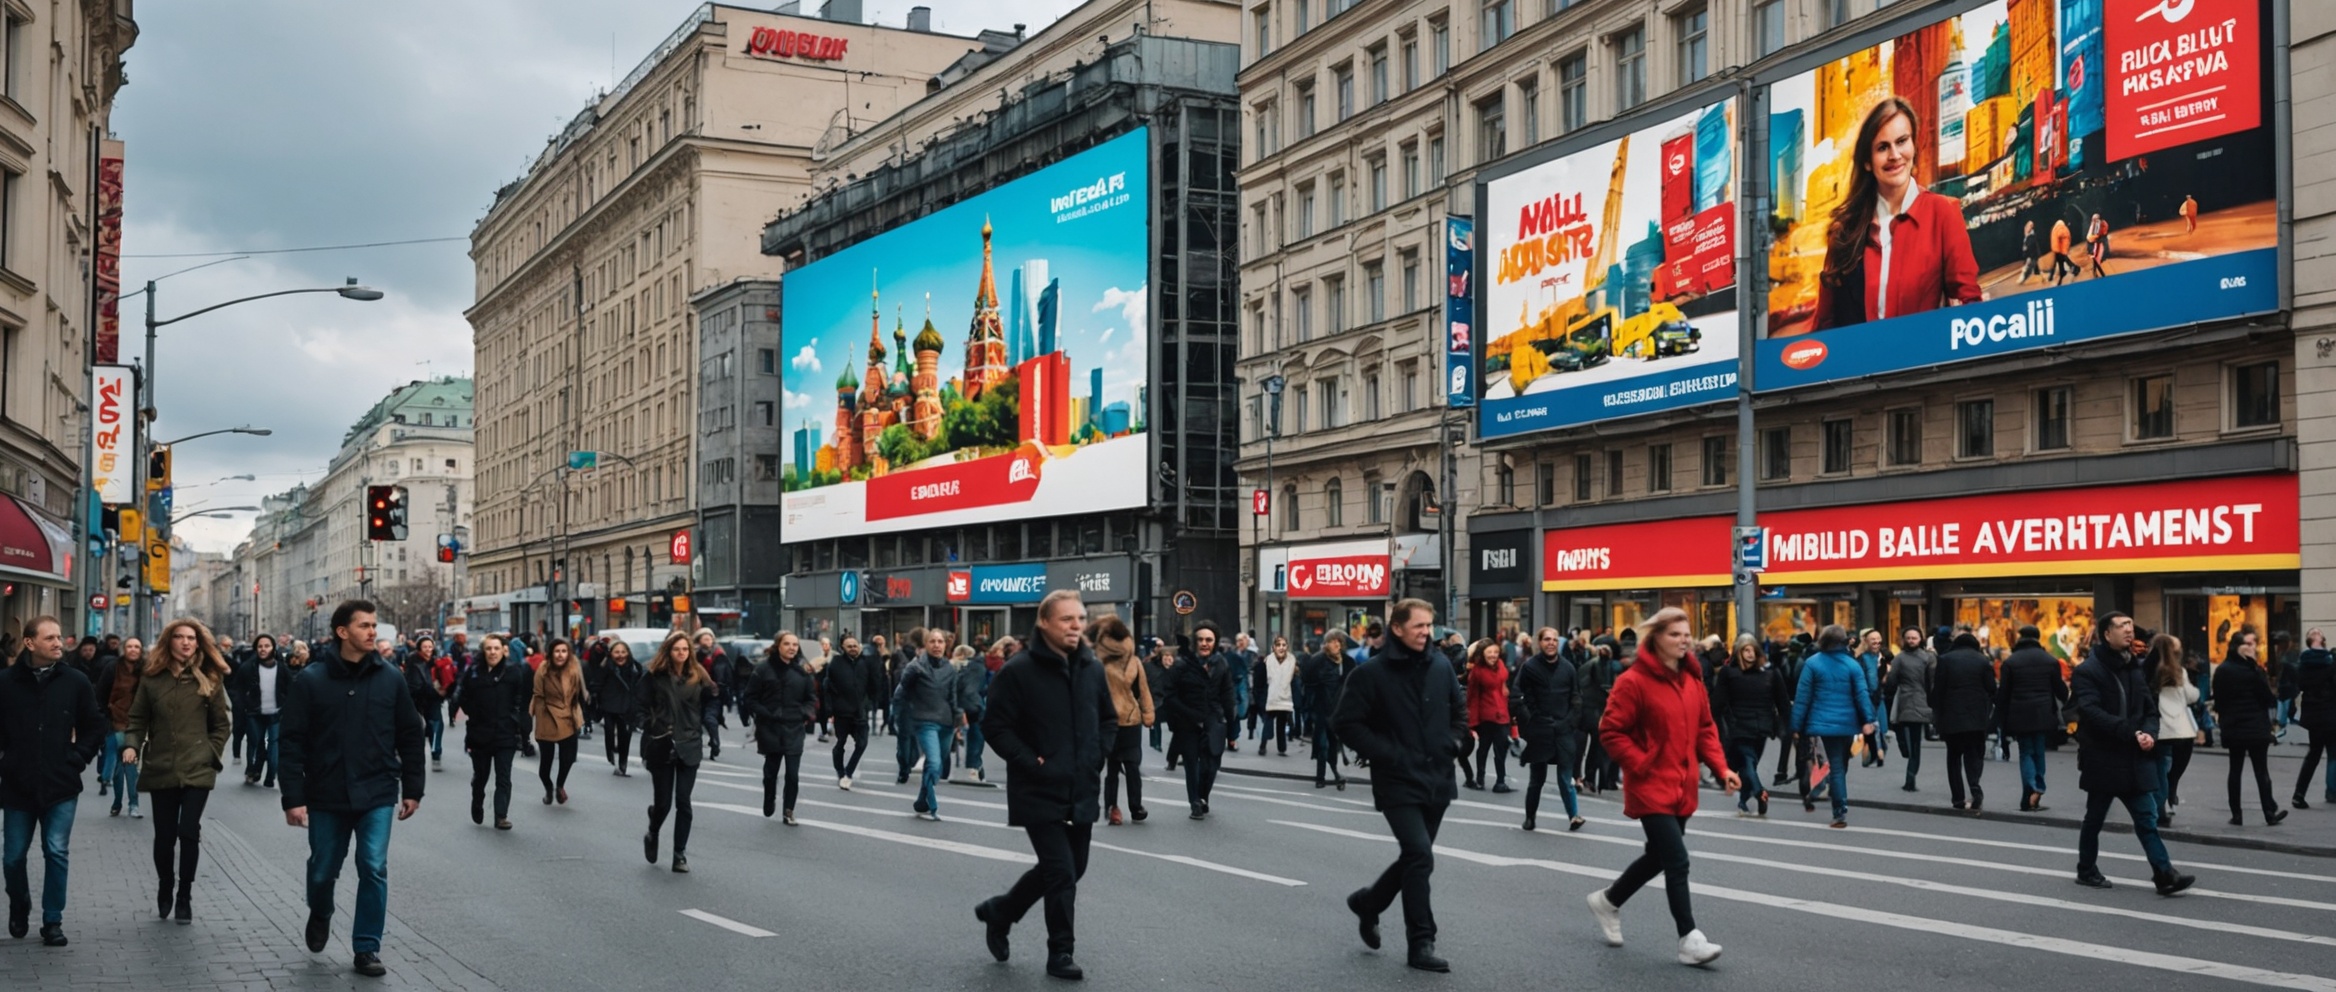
246	937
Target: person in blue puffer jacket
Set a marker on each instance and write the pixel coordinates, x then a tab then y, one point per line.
1833	704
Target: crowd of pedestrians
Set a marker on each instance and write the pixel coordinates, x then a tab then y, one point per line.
348	734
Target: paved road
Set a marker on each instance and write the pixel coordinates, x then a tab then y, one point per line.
861	896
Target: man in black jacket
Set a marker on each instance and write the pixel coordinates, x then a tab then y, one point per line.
853	681
497	693
1403	712
1200	707
1962	705
2116	731
1050	717
352	743
1324	675
50	728
2028	700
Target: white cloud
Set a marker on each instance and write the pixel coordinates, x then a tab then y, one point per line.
1129	303
806	360
797	401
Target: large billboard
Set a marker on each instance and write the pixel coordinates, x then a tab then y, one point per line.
1610	279
2053	170
986	362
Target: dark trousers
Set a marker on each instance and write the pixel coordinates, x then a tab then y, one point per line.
2143	809
851	730
1598	771
670	783
619	739
1966	758
178	830
1909	747
1130	742
1744	757
561	754
2312	754
1492	738
1666	855
1062	861
1278	722
2241	754
497	760
1326	752
772	765
1415	841
2178	761
1200	764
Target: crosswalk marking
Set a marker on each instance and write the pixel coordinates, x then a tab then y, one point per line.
727	923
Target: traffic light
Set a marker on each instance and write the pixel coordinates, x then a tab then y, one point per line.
158	468
385	513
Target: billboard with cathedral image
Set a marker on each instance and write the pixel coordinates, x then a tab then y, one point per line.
987	361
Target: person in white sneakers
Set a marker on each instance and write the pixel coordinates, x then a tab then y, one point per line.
1658	727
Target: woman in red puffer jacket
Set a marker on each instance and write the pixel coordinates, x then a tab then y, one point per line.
1658	727
1487	680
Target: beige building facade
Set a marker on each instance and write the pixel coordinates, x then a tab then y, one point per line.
583	334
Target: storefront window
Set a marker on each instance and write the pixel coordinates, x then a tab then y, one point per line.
2065	621
2207	617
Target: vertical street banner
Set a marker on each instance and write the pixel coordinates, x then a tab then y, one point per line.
113	398
1459	311
109	254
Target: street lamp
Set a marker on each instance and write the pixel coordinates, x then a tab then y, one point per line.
246	477
216	512
349	290
246	429
1272	386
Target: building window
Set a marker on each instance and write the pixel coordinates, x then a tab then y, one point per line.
1333	403
11	186
1289	509
1436	162
1378	167
1504	481
1715	459
1630	68
766	361
2153	407
1492	129
1573	91
1659	468
1410	169
2255	395
1440	46
1776	454
1333	504
766	467
2052	418
14	74
1410	387
1975	429
1837	12
1300	406
1343	78
1302	314
1410	280
1375	291
1264	16
1614	472
1837	447
1905	440
1529	109
1545	483
1694	44
1306	211
1582	480
1498	23
1304	16
1305	111
1374	511
1768	27
1337	199
1410	64
1378	74
765	413
1334	299
1372	407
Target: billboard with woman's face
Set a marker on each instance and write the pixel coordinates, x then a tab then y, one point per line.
1987	183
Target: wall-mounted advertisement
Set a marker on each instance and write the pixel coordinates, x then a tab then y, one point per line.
1459	311
985	362
1610	279
2053	170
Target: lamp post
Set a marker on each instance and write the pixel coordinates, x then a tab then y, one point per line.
1272	385
349	290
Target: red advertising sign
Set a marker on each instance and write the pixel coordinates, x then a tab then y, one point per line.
780	43
1259	502
992	481
2181	71
679	548
108	275
960	586
1341	570
2248	522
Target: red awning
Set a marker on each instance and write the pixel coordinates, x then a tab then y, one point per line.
32	545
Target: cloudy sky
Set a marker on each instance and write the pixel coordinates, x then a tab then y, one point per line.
272	124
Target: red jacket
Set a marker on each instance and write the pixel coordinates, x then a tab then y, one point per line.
1488	694
1657	725
1930	262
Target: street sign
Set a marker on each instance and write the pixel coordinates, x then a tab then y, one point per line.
848	588
1259	502
583	461
97	601
1751	549
679	547
1185	602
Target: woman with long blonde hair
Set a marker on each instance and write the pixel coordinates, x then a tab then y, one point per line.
673	734
179	721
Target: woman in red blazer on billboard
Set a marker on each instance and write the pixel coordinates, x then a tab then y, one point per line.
1893	248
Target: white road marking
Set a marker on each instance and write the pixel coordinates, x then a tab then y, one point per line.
912	840
1862	914
727	923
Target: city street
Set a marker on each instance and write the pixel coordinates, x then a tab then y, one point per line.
863	896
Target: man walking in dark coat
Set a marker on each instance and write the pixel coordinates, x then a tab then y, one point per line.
50	728
351	721
1962	704
1049	717
854	682
2028	699
1403	712
2116	729
1200	707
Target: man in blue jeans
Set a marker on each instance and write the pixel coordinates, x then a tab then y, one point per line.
928	702
350	712
2028	697
2116	731
50	728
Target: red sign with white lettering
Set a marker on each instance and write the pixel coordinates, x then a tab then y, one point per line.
2241	523
781	43
1345	570
2180	71
991	481
1259	502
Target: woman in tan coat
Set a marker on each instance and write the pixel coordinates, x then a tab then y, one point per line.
1131	699
558	708
180	723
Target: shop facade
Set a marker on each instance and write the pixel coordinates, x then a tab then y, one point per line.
2198	558
1500	583
1311	589
977	602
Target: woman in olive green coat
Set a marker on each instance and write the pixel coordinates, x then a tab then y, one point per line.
179	723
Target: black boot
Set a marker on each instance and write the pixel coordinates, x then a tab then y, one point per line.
1423	957
162	899
185	909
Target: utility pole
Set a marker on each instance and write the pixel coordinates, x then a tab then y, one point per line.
1750	286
